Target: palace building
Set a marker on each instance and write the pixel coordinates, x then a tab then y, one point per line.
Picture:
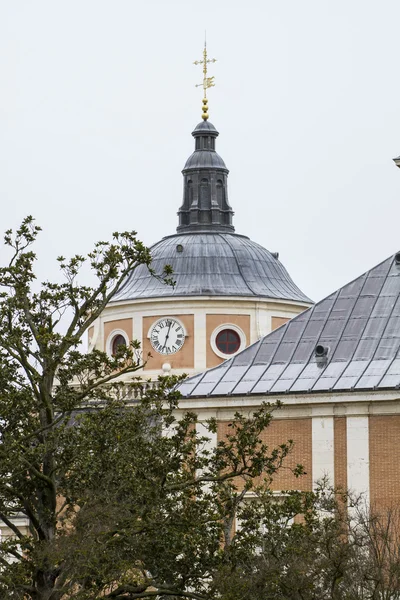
238	325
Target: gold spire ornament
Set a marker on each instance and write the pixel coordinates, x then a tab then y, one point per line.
207	81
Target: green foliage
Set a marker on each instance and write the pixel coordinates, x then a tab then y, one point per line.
45	379
122	499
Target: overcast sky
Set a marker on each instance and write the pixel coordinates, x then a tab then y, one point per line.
98	100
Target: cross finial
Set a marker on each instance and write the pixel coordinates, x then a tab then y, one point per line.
207	81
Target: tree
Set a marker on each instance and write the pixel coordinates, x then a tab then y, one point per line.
319	545
298	548
122	500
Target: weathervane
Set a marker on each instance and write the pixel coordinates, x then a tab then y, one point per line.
207	81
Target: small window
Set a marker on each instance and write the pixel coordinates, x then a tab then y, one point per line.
228	341
118	341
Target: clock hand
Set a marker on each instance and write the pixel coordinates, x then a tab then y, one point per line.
167	336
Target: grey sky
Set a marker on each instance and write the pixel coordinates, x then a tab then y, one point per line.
97	102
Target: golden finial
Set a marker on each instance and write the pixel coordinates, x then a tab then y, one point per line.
207	81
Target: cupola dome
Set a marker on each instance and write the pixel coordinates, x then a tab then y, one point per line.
207	257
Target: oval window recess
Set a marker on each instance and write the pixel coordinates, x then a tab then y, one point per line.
179	248
117	341
227	340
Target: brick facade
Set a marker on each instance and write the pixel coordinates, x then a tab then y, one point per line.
279	432
384	449
340	452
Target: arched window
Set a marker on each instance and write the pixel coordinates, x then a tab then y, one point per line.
204	194
117	341
220	193
190	192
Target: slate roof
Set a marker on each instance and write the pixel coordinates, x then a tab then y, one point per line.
359	325
212	264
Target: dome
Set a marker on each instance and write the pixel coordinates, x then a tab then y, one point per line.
205	127
212	264
204	159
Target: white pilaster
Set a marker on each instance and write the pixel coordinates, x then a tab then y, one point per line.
211	443
323	449
202	431
138	327
200	341
100	342
358	456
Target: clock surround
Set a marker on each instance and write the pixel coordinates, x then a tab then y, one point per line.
167	336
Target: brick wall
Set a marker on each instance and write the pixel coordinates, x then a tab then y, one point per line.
384	454
279	432
340	455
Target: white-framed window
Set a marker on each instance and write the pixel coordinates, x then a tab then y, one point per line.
117	337
227	340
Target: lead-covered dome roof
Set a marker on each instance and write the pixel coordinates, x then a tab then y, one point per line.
205	159
212	264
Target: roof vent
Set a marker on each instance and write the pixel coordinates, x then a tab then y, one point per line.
275	255
397	258
321	351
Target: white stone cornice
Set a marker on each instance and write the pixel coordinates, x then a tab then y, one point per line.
289	305
353	404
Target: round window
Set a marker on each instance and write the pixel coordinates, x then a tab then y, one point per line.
118	341
228	341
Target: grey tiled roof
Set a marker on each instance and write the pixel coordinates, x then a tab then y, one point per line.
358	325
213	264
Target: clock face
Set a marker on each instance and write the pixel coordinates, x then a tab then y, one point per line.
167	336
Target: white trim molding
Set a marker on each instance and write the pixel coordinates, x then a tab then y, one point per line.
236	329
92	341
